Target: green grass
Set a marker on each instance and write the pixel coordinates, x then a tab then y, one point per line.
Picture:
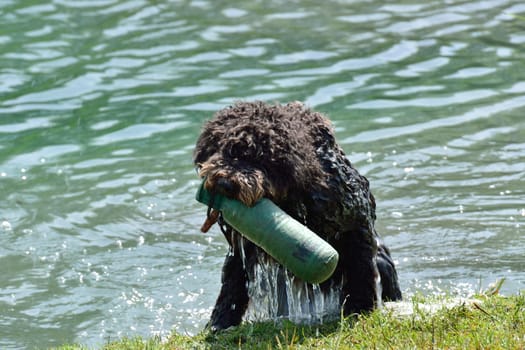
490	322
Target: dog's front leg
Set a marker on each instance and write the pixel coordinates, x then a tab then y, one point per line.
388	273
360	272
233	297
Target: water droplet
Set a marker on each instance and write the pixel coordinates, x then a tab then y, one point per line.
30	250
6	226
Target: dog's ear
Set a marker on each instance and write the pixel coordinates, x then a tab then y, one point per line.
206	146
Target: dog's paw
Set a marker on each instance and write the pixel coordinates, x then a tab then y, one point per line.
217	328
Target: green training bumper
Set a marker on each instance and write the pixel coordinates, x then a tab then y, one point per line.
289	242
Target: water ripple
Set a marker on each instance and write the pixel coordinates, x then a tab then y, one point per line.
101	102
473	115
456	98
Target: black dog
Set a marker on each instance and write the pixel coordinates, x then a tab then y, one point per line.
288	154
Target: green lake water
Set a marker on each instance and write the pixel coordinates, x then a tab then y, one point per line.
101	103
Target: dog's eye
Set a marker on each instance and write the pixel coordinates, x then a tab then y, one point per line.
236	151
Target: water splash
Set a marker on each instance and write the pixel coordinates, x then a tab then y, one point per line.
275	293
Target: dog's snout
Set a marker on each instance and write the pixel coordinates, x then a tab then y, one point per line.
225	186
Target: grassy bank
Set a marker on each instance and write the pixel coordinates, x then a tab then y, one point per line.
493	322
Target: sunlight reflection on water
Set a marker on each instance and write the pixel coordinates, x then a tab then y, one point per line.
101	103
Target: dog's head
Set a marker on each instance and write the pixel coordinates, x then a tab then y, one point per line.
236	178
254	150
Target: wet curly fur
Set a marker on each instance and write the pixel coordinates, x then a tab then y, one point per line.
288	153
